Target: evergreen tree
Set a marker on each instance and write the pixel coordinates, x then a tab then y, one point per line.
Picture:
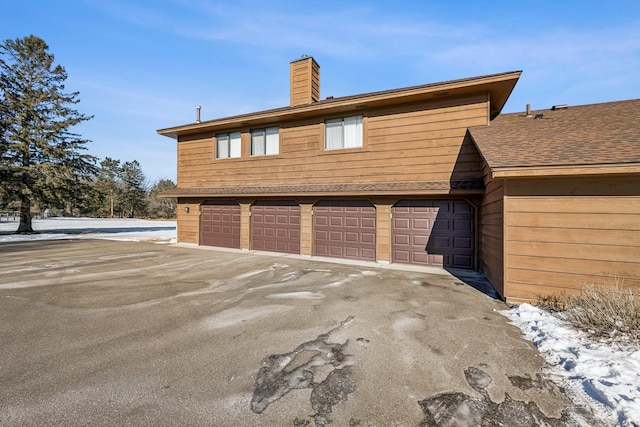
42	160
134	189
108	188
159	207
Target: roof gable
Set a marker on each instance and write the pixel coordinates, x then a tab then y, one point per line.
606	135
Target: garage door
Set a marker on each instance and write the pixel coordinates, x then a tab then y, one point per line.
275	226
345	229
433	232
221	224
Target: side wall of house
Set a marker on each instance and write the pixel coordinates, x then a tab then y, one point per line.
188	222
490	234
417	142
563	232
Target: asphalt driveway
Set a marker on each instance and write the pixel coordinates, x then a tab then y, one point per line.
112	333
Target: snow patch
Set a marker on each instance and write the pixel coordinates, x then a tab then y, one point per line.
596	375
236	316
121	229
299	295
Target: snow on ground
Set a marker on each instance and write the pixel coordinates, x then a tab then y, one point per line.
128	229
603	377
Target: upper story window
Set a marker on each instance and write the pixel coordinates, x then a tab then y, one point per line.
228	145
343	133
265	142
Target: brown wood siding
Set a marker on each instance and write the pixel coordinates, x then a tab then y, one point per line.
304	82
188	223
417	142
579	231
490	234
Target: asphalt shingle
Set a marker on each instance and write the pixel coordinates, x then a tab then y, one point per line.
596	134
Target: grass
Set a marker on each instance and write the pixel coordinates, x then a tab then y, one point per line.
606	312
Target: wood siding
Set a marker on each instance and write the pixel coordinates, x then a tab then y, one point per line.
188	223
561	233
304	81
490	234
424	141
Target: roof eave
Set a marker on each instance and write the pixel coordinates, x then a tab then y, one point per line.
499	87
565	170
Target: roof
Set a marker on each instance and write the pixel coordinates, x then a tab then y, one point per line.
586	139
499	87
341	189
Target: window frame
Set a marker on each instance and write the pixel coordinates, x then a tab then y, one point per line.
267	151
232	152
359	136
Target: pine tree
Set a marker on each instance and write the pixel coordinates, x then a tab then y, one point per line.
41	159
134	188
161	207
108	188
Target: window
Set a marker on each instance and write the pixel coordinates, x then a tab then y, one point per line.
343	133
265	142
228	145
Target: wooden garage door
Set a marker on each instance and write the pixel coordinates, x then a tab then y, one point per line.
221	224
433	232
345	229
275	226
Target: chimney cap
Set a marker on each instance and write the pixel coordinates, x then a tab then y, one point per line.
304	57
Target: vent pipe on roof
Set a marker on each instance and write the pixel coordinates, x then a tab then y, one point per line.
198	113
528	111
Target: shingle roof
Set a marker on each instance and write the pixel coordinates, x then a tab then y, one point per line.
310	190
597	134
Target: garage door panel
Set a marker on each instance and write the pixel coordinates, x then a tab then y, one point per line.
433	232
275	226
220	224
345	229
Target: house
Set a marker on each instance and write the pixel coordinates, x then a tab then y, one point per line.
406	176
562	198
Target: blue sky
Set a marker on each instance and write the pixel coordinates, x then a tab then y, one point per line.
144	65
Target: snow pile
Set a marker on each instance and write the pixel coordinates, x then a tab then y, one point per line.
603	377
124	229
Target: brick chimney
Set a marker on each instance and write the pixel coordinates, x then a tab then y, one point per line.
304	81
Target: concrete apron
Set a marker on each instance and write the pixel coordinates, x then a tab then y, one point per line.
99	332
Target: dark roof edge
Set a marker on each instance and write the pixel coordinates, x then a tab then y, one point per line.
340	101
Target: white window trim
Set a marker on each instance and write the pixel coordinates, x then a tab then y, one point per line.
233	148
271	142
346	133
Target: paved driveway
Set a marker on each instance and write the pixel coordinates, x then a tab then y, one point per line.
105	333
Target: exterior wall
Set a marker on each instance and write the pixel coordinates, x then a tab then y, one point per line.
304	81
490	234
383	229
424	141
245	224
188	223
561	233
306	227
